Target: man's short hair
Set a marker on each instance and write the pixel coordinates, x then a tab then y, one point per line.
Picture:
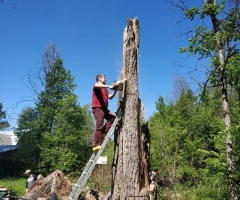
99	76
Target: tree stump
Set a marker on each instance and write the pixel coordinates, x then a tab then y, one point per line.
56	183
131	149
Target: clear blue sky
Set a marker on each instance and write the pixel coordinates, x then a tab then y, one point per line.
89	37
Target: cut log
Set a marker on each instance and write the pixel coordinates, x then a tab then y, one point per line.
44	188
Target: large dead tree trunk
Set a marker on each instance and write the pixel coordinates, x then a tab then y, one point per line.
131	157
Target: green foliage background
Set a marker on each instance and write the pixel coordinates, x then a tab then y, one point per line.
188	139
17	185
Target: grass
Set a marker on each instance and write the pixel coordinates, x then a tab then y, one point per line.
17	185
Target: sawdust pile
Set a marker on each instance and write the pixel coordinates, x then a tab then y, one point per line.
44	188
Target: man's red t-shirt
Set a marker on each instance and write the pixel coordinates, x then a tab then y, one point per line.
100	97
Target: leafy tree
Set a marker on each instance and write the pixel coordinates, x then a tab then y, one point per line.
28	139
217	39
66	127
3	122
58	131
186	145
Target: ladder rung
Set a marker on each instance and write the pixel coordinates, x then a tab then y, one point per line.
91	163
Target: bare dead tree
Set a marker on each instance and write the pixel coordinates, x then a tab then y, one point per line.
13	3
180	87
131	153
36	79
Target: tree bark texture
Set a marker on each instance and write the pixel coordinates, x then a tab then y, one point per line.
226	114
227	123
131	156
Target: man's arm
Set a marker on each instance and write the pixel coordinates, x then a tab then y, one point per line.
110	96
100	85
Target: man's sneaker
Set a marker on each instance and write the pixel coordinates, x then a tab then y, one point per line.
104	135
96	148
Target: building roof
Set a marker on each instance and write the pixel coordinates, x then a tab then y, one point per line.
5	148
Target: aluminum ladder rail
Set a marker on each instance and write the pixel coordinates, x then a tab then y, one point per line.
78	187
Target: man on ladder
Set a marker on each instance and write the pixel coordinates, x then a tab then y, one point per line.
100	96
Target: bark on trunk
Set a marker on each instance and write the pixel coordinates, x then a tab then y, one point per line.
227	123
131	156
225	106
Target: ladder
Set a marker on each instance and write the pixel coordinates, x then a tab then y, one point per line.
78	187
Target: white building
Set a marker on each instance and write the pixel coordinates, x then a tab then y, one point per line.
8	138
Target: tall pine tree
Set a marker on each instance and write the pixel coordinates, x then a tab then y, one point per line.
62	131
